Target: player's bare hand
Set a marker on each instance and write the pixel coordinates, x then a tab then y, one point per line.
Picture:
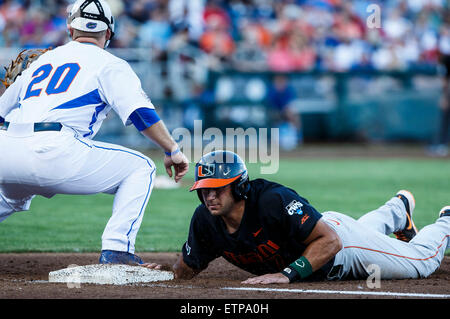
277	278
152	266
180	164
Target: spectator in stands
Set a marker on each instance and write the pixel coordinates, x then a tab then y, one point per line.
13	13
126	33
280	96
214	12
347	24
389	57
156	31
2	27
441	146
347	54
332	32
138	10
292	49
278	57
250	53
302	55
43	28
187	13
58	19
217	40
180	39
396	26
200	101
34	31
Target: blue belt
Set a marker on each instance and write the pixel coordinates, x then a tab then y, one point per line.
40	126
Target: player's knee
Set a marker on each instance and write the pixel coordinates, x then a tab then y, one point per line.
146	166
429	268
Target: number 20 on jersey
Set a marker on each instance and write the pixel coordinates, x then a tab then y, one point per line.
59	82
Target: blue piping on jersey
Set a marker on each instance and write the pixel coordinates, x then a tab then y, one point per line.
92	97
142	208
149	186
98	109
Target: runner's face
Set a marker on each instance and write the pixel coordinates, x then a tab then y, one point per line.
219	201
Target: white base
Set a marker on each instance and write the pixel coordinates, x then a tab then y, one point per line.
165	182
108	275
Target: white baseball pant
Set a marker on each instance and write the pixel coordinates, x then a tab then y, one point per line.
366	242
50	163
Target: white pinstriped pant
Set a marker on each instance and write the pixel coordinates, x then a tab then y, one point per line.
366	242
50	163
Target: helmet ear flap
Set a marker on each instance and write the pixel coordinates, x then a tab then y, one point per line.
240	188
199	194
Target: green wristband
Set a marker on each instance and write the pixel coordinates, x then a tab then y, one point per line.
302	267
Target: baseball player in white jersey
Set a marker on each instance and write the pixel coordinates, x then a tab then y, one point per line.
54	109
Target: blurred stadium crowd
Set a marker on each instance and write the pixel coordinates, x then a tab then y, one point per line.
277	35
256	35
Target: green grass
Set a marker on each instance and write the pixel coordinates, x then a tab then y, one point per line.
351	186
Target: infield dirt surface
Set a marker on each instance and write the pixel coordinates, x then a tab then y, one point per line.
25	276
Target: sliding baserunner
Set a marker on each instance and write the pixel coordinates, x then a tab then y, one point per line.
270	231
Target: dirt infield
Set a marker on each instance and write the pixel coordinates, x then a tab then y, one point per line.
25	276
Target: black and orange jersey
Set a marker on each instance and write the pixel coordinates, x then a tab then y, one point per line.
276	221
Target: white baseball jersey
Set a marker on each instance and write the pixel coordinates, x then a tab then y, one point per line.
76	84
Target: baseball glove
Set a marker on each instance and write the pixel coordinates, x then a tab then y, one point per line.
21	63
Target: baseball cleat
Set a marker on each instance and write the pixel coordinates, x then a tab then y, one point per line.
119	257
445	211
410	230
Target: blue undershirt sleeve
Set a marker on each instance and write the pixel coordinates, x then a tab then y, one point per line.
144	117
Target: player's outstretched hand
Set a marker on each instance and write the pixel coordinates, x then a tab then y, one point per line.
152	266
180	164
277	278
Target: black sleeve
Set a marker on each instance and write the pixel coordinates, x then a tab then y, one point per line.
293	212
198	251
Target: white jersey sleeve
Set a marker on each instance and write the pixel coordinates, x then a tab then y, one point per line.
10	99
122	90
